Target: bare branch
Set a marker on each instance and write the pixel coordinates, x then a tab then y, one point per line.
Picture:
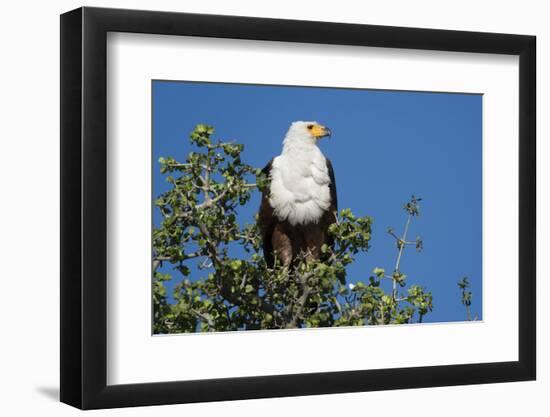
306	290
204	317
399	254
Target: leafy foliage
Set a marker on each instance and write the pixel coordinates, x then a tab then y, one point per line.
466	296
199	227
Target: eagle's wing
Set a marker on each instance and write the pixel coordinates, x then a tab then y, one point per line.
330	216
333	197
266	222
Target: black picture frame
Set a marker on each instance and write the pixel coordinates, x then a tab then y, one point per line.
84	207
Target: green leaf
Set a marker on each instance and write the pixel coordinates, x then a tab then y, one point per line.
379	272
236	264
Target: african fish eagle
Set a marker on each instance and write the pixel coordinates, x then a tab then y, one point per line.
295	215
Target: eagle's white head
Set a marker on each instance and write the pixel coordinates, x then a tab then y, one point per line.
299	176
304	134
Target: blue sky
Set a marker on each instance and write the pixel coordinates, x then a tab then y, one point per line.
385	146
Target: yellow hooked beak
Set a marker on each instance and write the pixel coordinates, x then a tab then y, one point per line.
318	131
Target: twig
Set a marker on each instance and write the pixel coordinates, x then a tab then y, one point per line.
468	313
178	165
400	252
158	259
301	301
208	202
204	317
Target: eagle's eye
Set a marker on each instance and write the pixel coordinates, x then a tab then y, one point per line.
310	127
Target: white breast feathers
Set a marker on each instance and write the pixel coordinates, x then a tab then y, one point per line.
300	186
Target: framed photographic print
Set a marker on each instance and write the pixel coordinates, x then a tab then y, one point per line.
258	208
